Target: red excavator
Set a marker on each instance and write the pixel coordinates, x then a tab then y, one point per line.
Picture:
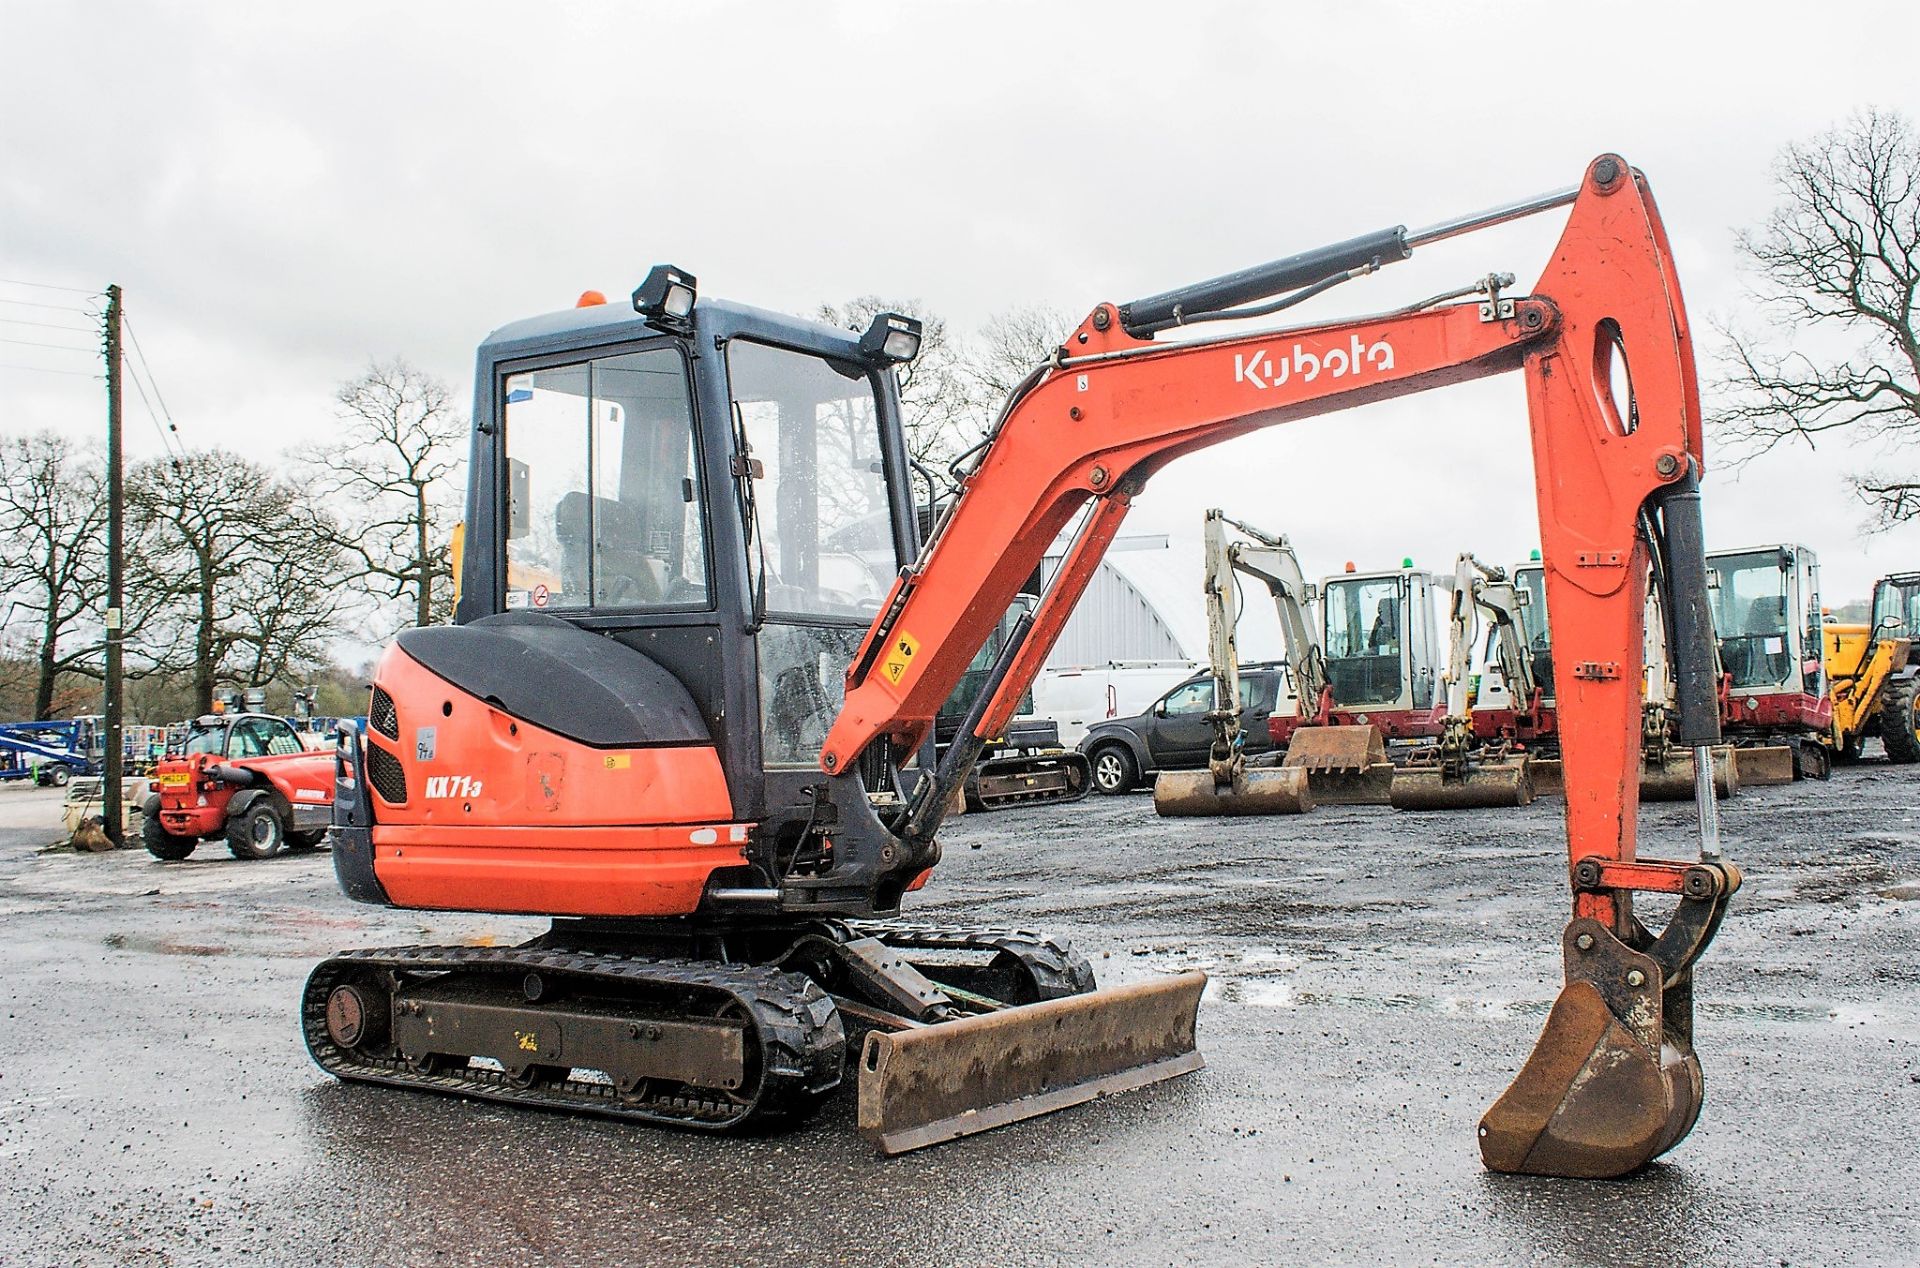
686	707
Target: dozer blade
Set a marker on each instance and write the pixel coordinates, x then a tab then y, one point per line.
1764	767
935	1083
1546	777
1485	785
1259	790
1672	780
1345	765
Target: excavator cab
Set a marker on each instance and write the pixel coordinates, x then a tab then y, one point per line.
1382	648
1766	614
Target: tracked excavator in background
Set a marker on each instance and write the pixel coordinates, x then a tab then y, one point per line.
1026	765
1230	784
1459	771
1520	709
1380	657
702	748
1776	711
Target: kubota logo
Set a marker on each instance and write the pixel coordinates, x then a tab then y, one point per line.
1263	371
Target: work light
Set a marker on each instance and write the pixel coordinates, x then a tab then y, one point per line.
666	297
892	339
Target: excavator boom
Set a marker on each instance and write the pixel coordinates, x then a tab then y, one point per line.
1616	480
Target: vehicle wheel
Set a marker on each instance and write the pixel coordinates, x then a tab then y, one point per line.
1900	721
307	840
1114	770
257	834
58	775
163	844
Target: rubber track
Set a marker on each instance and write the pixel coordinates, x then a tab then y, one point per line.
1056	969
801	1043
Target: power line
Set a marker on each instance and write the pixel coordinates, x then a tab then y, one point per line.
45	286
50	325
63	347
61	308
147	366
42	369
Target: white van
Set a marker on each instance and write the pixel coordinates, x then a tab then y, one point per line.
1077	696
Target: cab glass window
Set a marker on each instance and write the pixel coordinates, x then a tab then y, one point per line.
822	533
1751	617
603	497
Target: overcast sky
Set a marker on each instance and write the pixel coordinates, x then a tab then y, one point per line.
289	190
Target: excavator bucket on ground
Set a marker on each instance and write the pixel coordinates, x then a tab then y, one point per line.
1345	765
1613	1082
927	1084
1507	781
1671	782
1255	790
1765	765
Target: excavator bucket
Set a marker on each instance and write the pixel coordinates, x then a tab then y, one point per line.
1345	765
1483	785
1258	790
938	1082
1765	766
1672	780
1612	1082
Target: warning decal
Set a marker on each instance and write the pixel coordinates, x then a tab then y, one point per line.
900	653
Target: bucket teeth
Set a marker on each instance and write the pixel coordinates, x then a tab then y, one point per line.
1345	765
1612	1082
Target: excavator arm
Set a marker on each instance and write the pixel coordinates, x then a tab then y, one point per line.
1613	1080
1228	785
1272	562
1502	600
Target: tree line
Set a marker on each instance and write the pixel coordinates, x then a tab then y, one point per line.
239	574
242	574
247	574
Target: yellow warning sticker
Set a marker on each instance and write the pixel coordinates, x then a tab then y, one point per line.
616	761
900	653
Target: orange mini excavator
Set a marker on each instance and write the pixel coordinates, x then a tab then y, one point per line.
686	706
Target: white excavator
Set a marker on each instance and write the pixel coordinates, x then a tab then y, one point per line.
1459	771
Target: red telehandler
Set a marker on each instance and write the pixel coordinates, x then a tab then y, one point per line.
700	741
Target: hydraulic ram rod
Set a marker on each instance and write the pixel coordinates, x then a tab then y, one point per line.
1141	318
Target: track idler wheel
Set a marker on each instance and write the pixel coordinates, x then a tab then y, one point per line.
1612	1082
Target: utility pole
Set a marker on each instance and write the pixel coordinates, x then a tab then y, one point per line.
115	814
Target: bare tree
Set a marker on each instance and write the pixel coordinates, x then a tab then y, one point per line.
53	512
1837	265
239	570
935	403
1012	344
390	486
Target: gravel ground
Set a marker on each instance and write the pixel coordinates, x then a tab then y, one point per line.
1377	980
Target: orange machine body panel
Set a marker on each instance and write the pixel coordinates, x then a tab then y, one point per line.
594	832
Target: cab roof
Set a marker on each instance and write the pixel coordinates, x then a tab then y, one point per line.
616	322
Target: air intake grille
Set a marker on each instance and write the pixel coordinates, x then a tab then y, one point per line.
387	776
382	716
